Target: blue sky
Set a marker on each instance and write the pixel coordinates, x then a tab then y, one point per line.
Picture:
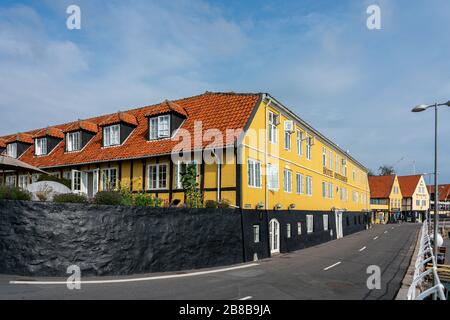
355	85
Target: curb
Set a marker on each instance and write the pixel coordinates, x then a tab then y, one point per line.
409	275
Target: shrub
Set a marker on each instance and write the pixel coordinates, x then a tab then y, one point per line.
143	200
211	204
47	177
225	203
14	193
127	196
108	197
70	198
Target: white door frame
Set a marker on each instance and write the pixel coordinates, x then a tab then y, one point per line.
274	234
339	231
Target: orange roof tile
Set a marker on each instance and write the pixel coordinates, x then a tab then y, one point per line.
165	107
381	186
221	111
50	132
2	143
408	184
118	118
20	137
444	191
82	125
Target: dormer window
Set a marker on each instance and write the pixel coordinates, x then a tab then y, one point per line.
159	127
111	135
73	141
11	150
40	146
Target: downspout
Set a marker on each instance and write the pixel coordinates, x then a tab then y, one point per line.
266	147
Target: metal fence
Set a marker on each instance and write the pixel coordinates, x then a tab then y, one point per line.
424	257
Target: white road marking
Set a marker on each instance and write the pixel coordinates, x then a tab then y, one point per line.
375	238
246	298
362	249
199	273
392	228
333	265
386	231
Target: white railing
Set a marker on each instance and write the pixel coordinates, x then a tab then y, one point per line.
424	257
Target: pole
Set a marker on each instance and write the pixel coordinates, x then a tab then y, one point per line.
436	189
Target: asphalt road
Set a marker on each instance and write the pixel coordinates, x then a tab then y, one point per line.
334	270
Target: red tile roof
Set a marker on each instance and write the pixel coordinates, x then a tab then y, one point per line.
444	191
119	117
20	137
49	132
165	107
381	186
408	184
2	143
81	125
215	110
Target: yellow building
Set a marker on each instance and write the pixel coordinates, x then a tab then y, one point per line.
386	198
249	149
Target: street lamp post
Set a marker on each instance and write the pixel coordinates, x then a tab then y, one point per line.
421	108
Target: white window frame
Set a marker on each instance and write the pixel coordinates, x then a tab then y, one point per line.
330	190
77	181
309	223
273	177
324	189
287	180
272	127
177	174
11	150
40	146
330	159
288	230
308	148
299	143
158	181
309	186
324	156
105	176
23	181
287	140
299	179
111	135
299	228
11	181
159	133
73	141
254	173
256	233
325	222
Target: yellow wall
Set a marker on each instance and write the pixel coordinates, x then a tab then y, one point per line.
395	197
254	146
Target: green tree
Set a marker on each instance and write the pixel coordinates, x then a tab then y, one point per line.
386	170
190	186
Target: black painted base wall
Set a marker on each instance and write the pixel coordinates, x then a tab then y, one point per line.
351	222
43	239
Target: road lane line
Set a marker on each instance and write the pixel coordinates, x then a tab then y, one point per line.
199	273
386	231
362	249
375	238
246	298
333	265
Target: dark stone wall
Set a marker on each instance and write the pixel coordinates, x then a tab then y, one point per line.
45	238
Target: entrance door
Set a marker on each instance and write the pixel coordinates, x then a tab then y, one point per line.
274	236
339	231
